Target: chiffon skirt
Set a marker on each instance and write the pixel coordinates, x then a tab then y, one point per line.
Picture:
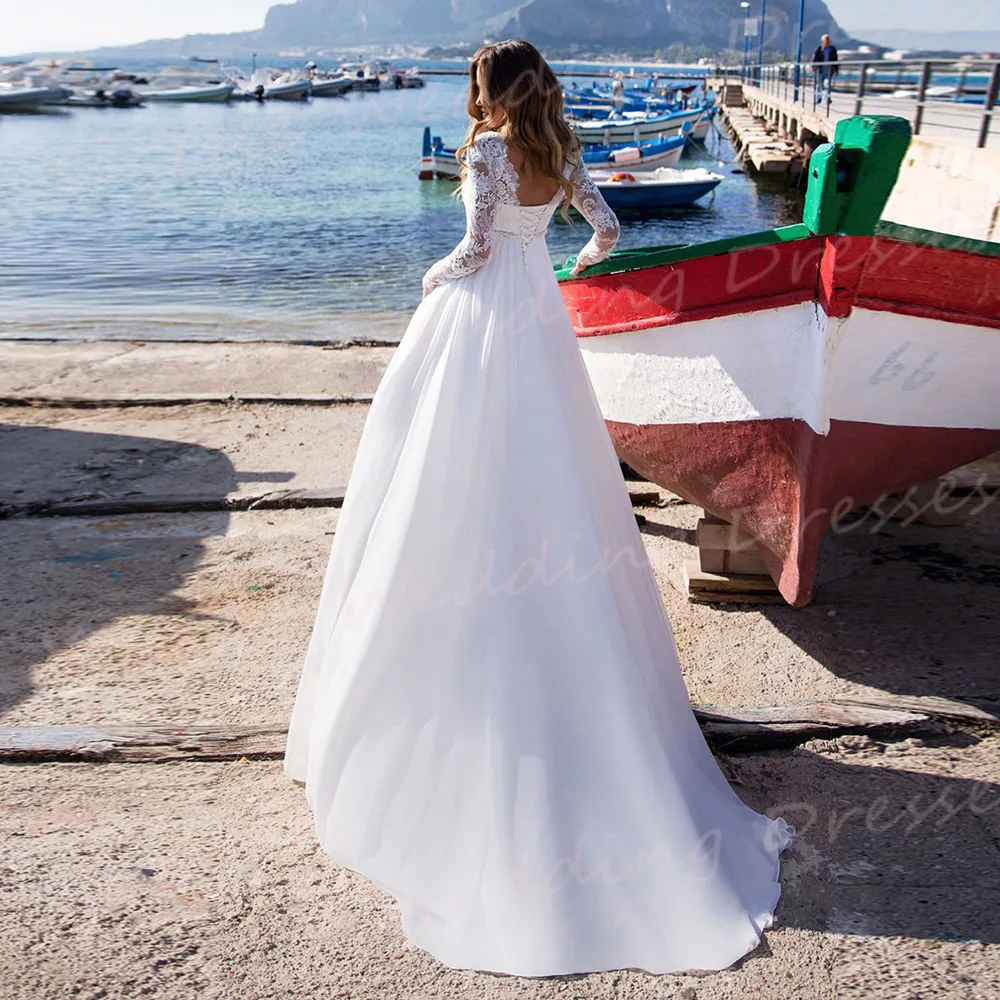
491	722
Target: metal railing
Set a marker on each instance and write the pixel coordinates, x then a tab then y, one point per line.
943	97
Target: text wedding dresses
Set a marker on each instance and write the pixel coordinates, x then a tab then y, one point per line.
491	721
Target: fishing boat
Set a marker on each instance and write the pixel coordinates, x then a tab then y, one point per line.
663	187
639	156
784	378
630	127
436	160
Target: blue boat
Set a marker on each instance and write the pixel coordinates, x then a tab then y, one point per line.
636	128
665	187
638	156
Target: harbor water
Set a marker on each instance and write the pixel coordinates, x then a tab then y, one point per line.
276	221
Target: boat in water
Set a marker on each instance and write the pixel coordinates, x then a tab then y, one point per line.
639	156
438	160
635	127
14	97
662	187
30	87
334	86
783	378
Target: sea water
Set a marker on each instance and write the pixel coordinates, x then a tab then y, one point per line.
274	221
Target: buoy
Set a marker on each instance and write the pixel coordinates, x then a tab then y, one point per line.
628	178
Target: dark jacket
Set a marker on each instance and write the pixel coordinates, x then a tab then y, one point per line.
818	59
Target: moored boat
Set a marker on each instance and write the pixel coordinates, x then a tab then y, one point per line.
17	97
335	86
783	378
638	156
436	160
636	127
663	187
217	93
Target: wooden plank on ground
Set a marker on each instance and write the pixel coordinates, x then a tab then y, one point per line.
726	588
164	504
175	399
732	728
329	496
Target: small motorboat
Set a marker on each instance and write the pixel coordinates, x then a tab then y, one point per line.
631	127
15	97
643	156
408	79
217	93
30	86
332	86
285	86
105	97
664	187
201	82
364	76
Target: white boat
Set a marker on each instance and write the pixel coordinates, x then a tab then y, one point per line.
217	93
15	97
334	86
104	97
408	79
28	86
288	87
665	187
272	85
369	75
635	127
201	82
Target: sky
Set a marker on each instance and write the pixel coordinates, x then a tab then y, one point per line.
57	25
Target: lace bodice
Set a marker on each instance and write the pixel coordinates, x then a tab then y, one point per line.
492	207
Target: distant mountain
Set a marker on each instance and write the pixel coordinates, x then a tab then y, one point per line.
576	25
716	24
932	41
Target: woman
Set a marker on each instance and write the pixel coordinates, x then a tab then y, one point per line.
491	722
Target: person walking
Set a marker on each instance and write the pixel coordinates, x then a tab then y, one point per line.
826	67
492	722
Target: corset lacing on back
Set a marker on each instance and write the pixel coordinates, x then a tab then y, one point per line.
527	222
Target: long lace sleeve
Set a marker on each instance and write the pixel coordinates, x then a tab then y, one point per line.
481	194
590	203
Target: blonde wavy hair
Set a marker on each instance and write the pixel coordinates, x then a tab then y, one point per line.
523	99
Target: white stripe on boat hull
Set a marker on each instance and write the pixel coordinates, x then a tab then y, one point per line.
872	367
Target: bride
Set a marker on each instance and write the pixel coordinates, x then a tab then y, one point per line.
491	722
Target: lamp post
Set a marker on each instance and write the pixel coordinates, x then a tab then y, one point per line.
746	36
798	49
760	38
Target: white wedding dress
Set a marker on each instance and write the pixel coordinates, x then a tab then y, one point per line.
491	722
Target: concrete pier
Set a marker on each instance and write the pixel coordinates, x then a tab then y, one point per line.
946	183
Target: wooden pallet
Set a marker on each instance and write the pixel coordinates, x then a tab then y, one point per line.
729	567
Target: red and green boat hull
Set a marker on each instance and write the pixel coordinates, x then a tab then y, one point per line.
784	378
